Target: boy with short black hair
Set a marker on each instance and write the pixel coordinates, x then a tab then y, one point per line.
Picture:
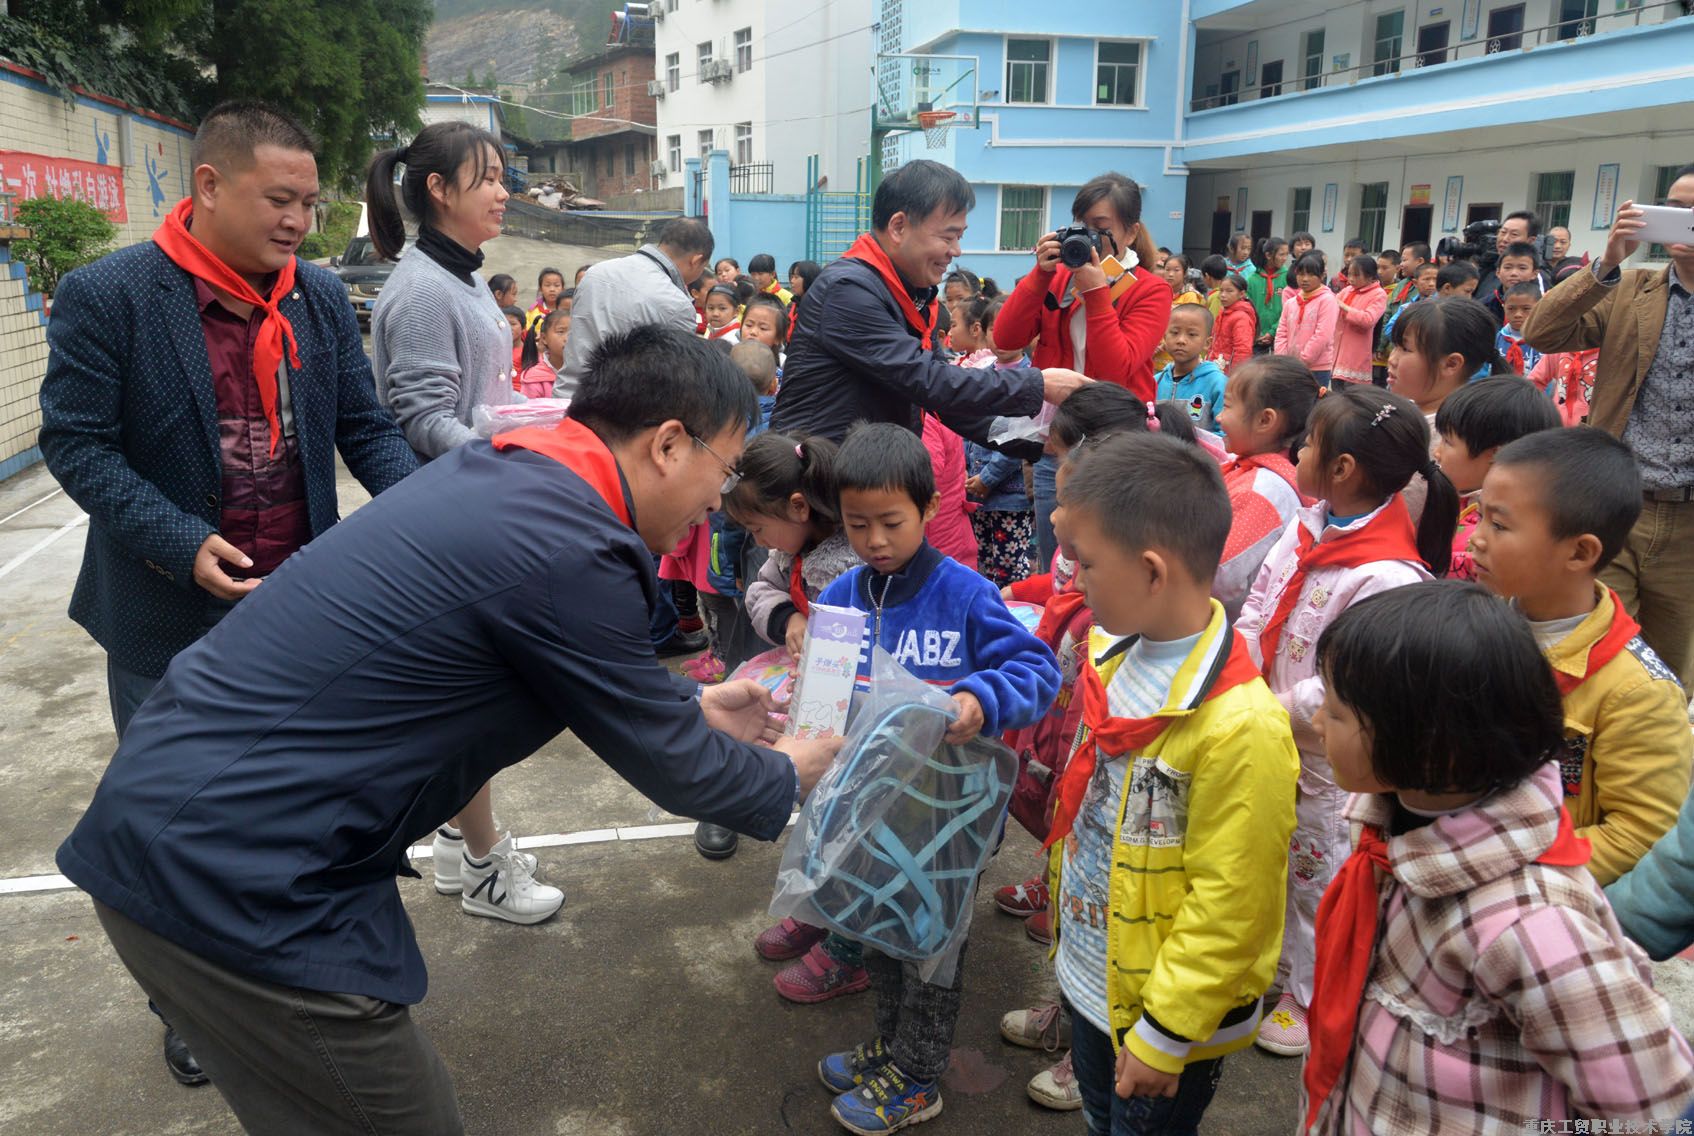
1557	506
1459	278
948	626
1168	860
1470	427
1519	302
1518	265
1190	378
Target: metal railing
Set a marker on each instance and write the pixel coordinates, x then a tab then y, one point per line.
587	228
1524	39
755	177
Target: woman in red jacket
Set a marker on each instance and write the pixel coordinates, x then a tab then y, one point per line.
1107	328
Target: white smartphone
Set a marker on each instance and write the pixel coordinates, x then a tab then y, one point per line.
1666	225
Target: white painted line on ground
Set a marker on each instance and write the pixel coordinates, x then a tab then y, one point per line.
23	557
31	505
25	885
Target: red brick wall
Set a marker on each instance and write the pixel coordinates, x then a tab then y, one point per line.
630	101
592	156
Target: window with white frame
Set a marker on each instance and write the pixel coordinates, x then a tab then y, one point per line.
743	143
705	140
584	95
744	49
1551	199
606	90
673	71
673	152
1270	79
1027	64
1373	213
703	57
1300	210
1022	210
1390	31
1311	67
1117	74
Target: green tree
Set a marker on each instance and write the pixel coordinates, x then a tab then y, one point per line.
348	69
63	234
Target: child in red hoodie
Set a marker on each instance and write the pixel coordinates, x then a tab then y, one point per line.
1237	326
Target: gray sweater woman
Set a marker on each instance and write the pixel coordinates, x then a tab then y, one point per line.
439	348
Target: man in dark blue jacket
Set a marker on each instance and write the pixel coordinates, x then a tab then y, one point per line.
198	389
243	846
864	346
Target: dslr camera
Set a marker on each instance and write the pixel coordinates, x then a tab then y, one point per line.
1078	243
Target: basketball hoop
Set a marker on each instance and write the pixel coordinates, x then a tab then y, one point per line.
935	125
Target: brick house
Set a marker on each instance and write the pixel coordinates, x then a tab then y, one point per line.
612	144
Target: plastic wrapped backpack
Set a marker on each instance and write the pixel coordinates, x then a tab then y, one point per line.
888	847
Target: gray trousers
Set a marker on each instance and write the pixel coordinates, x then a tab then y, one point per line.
292	1061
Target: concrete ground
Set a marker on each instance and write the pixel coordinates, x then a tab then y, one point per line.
640	1009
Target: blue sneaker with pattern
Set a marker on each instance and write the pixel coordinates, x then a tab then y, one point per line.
846	1071
887	1102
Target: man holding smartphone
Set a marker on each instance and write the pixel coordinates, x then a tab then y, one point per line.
1642	320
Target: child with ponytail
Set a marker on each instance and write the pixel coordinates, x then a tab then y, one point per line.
1263	421
1362	447
787	502
1439	347
544	354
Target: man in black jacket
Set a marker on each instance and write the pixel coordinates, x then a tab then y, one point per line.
865	347
243	846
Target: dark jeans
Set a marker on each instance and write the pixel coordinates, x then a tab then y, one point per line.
662	624
1108	1114
288	1060
1323	378
126	691
915	1018
1046	500
733	637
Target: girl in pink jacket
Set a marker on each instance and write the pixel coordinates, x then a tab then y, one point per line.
1307	327
1359	310
1364	445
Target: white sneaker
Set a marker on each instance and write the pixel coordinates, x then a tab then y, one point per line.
448	860
1056	1088
447	855
503	887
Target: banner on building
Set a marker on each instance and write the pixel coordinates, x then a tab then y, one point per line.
26	176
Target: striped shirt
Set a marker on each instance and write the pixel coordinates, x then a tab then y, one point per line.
1140	687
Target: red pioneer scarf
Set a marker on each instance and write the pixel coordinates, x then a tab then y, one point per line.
720	332
1616	638
275	332
579	450
1346	948
1125	735
1387	536
867	250
797	587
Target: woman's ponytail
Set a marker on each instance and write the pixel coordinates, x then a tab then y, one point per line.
383	219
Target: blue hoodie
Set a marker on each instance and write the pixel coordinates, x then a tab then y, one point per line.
948	626
1200	390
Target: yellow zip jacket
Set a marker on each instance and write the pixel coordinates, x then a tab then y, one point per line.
1628	747
1199	866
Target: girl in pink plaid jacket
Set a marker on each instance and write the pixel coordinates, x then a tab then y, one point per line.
1471	977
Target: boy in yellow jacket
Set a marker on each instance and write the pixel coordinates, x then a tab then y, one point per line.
1557	506
1171	828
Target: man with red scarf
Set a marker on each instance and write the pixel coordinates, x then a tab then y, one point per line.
198	388
865	349
242	849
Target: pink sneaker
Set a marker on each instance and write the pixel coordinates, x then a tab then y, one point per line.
787	940
818	978
1283	1031
706	669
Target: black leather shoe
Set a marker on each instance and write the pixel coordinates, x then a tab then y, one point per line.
682	643
715	842
181	1062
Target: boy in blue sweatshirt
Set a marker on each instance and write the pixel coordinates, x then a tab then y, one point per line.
1191	378
948	626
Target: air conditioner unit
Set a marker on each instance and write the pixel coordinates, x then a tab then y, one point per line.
656	88
717	71
657	11
659	168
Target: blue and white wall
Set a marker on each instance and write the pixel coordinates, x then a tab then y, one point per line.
1061	143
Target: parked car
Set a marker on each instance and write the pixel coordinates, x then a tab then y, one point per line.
364	273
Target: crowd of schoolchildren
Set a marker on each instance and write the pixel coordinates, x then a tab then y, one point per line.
1329	734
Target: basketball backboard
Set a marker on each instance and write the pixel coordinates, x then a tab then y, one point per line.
908	84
